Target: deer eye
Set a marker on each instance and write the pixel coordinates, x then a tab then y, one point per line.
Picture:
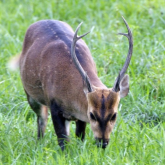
113	117
92	116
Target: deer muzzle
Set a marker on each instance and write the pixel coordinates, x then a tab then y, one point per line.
101	142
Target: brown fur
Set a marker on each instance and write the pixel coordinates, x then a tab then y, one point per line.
95	101
50	79
48	73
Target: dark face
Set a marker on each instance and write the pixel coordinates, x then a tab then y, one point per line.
102	113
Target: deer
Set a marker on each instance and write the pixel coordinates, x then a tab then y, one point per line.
58	73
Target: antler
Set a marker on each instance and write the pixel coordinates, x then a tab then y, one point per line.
75	60
116	87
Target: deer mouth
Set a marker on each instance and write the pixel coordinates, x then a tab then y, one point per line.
103	143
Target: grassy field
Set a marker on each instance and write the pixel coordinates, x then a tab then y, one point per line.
138	137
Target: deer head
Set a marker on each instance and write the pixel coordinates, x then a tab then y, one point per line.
103	103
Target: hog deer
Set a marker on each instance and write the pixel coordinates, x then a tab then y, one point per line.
58	73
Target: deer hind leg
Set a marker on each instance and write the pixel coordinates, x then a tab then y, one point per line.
80	129
42	115
42	119
61	124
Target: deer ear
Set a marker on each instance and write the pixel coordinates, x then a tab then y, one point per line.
124	86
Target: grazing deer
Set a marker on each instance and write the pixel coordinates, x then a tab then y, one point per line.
58	72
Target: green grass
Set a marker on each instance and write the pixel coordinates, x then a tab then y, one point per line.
138	137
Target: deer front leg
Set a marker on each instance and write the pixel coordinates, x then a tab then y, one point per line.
60	123
80	129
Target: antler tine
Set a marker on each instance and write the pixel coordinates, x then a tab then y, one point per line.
75	60
116	87
76	38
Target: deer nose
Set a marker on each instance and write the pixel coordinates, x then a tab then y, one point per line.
102	142
104	145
